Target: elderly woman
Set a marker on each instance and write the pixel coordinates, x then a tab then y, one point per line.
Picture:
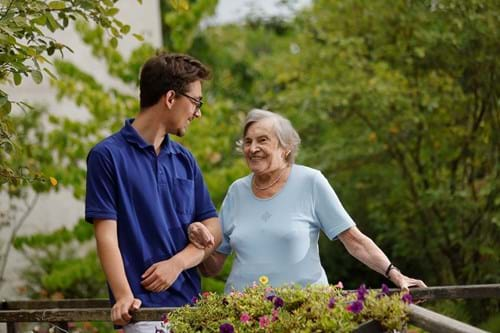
272	218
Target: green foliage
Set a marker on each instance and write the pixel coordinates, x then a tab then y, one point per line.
311	309
181	21
25	43
61	266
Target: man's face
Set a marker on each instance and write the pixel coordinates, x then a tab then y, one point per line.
186	108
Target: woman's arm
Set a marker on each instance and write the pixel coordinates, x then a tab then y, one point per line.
365	250
213	264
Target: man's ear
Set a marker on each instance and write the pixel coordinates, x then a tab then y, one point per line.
169	99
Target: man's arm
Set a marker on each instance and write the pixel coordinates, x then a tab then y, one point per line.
161	275
112	264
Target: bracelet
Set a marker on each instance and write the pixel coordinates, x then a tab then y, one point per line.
389	268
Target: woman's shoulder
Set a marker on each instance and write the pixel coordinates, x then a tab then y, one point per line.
305	171
241	182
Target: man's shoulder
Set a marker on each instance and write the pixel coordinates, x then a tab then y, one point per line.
108	145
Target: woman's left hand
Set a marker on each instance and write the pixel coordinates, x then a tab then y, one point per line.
200	236
404	282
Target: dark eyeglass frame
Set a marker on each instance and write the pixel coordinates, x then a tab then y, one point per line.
198	103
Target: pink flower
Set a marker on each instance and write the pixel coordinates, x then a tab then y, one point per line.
245	317
339	285
275	314
205	294
264	321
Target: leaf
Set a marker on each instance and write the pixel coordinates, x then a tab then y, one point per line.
51	22
49	73
3	100
5	108
125	29
17	79
57	5
113	42
112	11
115	32
140	38
36	75
179	4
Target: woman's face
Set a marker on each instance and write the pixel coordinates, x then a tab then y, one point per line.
261	147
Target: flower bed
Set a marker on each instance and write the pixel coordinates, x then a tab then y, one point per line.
291	309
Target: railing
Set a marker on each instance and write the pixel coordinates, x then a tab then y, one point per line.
63	311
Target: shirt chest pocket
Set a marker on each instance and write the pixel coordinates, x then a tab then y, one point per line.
183	193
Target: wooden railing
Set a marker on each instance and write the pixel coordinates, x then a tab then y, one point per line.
78	310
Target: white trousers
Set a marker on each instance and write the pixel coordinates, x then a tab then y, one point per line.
142	327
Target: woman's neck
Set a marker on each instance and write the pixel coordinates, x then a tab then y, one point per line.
271	180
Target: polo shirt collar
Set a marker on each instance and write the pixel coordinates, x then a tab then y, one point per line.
132	136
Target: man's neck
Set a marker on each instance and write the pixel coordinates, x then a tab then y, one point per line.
150	127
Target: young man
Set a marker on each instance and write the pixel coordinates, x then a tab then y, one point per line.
144	190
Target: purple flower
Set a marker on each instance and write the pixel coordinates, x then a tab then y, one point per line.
194	300
331	303
407	298
278	302
385	289
362	291
226	328
270	296
355	307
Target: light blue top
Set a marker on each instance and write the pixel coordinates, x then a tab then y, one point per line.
278	237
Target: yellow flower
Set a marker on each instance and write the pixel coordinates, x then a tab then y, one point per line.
263	279
53	181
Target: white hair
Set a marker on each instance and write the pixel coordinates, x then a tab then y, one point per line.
288	138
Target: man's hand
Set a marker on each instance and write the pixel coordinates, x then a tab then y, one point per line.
200	236
121	312
160	276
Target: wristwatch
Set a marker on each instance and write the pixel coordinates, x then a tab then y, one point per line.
389	269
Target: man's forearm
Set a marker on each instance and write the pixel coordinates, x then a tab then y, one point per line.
192	256
111	259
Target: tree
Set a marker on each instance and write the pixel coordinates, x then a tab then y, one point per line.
24	48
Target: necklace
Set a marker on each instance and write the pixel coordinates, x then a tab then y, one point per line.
269	185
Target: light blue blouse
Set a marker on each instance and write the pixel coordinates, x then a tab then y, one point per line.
278	237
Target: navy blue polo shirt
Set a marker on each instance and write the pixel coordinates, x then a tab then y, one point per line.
153	198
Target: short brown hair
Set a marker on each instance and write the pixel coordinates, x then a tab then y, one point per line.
169	71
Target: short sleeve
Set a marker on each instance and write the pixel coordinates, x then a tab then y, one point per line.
226	222
100	197
204	207
332	216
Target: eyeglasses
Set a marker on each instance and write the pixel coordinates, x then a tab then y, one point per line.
197	102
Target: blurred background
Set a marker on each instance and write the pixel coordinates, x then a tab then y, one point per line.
397	103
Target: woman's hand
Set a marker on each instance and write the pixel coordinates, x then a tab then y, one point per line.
200	236
404	282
